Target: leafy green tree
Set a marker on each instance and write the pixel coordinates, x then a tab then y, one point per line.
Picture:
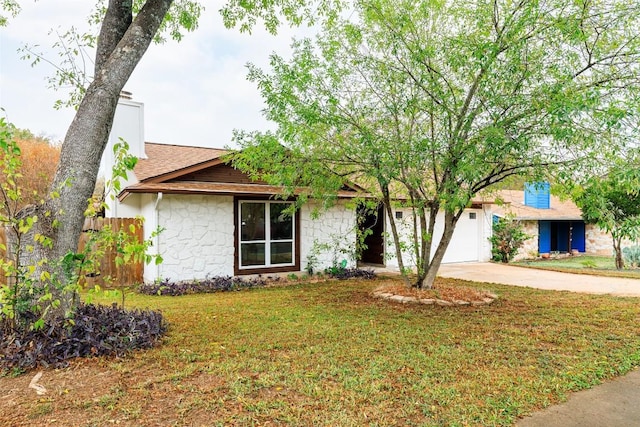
612	202
431	102
127	28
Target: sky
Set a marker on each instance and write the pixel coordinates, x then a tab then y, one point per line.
194	92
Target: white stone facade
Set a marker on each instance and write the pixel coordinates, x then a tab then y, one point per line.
598	241
330	238
198	235
601	243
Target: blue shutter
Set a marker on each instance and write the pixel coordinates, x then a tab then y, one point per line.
578	240
537	195
544	237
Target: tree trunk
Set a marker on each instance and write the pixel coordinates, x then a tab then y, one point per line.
617	248
450	221
427	243
386	201
62	217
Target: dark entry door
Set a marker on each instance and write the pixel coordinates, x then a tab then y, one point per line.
374	241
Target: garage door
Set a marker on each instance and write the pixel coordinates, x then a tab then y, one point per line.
465	243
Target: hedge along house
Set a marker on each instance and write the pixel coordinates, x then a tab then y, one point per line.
216	221
554	225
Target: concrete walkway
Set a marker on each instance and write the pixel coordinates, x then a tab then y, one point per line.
541	279
613	404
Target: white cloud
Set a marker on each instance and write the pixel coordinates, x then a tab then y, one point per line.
195	92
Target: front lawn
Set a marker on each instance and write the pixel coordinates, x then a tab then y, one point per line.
329	354
582	264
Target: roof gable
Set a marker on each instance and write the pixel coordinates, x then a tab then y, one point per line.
181	169
220	172
559	210
166	162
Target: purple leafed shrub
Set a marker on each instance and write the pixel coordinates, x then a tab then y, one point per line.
96	330
207	285
352	273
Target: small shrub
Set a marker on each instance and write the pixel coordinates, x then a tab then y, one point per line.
95	330
631	256
508	236
208	285
589	263
351	273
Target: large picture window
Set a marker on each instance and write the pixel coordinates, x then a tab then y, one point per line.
266	234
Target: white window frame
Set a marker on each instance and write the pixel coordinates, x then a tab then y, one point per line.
267	234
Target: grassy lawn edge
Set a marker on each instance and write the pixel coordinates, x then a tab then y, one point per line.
329	353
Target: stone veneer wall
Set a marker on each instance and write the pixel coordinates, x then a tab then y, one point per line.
597	241
530	247
331	236
600	242
198	239
198	236
404	227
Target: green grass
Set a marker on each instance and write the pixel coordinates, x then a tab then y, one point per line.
583	264
328	354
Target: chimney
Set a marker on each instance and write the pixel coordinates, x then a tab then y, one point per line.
537	195
128	124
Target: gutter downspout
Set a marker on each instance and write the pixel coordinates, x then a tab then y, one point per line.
157	242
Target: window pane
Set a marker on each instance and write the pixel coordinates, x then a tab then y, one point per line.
281	223
282	253
252	221
252	254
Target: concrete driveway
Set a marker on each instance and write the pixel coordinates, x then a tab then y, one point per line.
541	279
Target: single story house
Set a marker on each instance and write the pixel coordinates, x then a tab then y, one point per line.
553	224
217	222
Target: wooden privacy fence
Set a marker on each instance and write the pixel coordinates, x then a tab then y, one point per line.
108	273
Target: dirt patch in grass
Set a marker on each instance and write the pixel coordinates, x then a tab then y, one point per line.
445	289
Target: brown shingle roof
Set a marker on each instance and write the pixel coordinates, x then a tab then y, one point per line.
560	210
166	162
164	159
221	188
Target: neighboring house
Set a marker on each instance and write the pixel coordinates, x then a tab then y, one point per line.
217	222
555	225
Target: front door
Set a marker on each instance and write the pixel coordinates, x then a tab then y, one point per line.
374	241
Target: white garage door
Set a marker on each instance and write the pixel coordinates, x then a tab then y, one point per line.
465	243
